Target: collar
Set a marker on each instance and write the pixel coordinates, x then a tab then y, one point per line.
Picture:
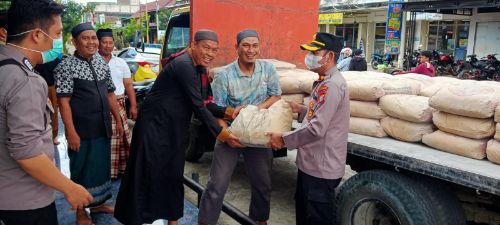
329	73
15	54
78	56
257	68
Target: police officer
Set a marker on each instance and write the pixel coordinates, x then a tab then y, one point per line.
322	139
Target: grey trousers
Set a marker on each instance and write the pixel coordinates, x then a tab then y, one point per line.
258	163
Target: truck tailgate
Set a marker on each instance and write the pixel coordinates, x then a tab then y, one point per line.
482	175
282	25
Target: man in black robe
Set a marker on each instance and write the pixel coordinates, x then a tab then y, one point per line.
152	186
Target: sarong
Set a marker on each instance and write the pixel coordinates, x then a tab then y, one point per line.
120	145
90	167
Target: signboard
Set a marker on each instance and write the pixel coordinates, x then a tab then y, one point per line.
331	18
393	28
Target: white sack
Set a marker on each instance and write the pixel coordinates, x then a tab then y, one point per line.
472	100
404	130
252	124
464	126
368	127
493	151
369	110
407	107
455	144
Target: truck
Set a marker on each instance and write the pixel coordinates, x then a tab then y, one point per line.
396	182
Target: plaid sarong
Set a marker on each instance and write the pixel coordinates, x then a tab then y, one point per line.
120	145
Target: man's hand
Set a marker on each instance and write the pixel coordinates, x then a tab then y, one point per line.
77	196
276	141
296	108
237	111
234	142
119	129
73	141
133	112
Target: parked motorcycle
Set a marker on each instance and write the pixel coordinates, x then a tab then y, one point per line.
487	68
443	63
378	59
411	60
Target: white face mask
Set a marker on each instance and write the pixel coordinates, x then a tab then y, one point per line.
312	61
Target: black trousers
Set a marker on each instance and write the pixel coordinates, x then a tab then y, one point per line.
315	200
42	216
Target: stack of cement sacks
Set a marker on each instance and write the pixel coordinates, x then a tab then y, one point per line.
464	118
296	84
493	147
365	90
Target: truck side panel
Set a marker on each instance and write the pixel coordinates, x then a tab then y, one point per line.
282	25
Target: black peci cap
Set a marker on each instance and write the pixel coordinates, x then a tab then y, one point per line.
324	41
104	33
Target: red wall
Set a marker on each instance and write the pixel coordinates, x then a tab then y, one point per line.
282	25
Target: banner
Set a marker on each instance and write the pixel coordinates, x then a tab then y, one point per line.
393	27
331	18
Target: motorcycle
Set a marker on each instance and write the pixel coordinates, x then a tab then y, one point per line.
487	68
411	60
444	64
378	59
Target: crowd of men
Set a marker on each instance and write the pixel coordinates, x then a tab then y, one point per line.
89	87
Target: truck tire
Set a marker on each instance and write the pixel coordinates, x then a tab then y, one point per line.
446	204
383	197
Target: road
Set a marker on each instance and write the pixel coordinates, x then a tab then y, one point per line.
283	188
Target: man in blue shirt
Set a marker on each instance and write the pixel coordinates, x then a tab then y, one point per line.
245	81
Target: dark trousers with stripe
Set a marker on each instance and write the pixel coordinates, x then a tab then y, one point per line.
315	200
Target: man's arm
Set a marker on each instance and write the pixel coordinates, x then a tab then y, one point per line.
43	170
268	102
129	90
113	106
67	118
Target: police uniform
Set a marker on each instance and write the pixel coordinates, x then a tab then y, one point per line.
25	132
321	142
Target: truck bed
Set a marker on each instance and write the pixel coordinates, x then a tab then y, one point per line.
481	175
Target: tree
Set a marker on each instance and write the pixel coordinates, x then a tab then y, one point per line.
4	5
71	17
163	17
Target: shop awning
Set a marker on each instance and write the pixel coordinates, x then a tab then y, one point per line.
436	6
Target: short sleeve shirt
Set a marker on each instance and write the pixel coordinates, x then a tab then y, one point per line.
88	83
119	71
233	88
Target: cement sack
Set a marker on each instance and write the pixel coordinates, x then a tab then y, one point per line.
407	107
478	101
252	124
404	130
307	100
464	126
455	144
369	110
368	127
365	75
281	65
493	151
365	90
398	86
422	79
497	132
497	114
290	85
297	98
438	84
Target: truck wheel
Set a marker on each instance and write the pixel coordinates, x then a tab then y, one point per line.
446	205
383	198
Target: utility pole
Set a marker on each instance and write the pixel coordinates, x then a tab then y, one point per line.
147	23
157	21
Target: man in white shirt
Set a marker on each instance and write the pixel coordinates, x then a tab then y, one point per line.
120	72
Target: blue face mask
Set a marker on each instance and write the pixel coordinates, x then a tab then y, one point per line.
55	52
49	55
